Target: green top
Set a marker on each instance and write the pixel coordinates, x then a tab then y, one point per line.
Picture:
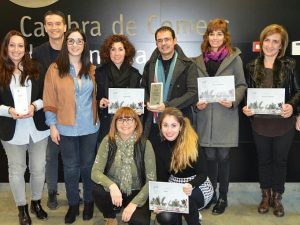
99	177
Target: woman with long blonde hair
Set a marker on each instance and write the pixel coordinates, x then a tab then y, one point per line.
179	160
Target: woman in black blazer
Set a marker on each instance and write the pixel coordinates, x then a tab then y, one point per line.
22	122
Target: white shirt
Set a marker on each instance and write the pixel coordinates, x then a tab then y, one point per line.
25	128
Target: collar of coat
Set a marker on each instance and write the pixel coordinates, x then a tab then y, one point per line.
280	69
225	63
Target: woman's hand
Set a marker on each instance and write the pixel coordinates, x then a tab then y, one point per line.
55	137
226	104
14	114
247	111
187	189
201	104
31	109
287	110
128	211
116	195
103	103
298	123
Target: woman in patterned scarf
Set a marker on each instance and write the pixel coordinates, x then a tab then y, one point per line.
124	164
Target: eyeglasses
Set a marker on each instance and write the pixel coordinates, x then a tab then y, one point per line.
78	41
160	41
122	120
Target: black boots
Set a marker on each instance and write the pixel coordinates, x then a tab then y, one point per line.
221	205
24	218
73	211
52	200
88	211
37	209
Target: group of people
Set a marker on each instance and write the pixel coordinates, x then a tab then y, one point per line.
181	140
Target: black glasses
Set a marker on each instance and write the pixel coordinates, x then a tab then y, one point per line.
128	120
78	41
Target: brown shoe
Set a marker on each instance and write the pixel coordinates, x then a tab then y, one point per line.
277	205
111	221
265	201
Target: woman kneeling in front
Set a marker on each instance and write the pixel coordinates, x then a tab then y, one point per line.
124	164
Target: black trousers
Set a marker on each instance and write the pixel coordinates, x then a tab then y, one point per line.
272	154
102	198
196	201
218	166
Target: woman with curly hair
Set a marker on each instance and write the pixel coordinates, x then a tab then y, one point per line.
116	71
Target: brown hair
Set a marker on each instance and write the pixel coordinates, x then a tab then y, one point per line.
109	41
275	29
214	25
7	66
186	147
125	112
63	61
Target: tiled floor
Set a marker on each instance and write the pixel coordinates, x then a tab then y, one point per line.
243	199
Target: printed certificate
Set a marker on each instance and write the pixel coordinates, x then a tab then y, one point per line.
169	197
131	97
214	89
21	100
266	100
156	94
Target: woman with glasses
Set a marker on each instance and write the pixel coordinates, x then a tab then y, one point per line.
124	165
180	160
116	71
71	113
22	122
218	122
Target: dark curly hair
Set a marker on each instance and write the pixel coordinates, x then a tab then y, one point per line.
109	41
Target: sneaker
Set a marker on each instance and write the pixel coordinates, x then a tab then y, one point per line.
52	200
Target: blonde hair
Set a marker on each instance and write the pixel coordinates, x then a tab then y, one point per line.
186	147
275	29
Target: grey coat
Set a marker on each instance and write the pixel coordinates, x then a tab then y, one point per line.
216	125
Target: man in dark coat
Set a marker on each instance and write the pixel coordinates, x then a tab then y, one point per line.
170	66
55	26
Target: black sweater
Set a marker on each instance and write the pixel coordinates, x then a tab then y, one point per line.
163	156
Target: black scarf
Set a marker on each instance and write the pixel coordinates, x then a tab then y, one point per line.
119	78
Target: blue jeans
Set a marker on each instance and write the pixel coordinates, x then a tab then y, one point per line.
78	155
52	166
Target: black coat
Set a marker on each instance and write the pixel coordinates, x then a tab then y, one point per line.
284	76
183	88
103	84
8	125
